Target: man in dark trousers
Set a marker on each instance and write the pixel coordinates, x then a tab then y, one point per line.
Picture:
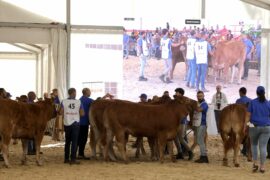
84	122
71	109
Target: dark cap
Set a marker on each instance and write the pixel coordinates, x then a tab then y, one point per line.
144	96
260	90
180	90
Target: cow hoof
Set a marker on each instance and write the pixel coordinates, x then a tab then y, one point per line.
161	161
7	166
23	162
39	163
174	160
237	165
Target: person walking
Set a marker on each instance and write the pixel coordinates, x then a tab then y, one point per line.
259	128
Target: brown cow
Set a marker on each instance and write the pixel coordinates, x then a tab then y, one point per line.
98	132
229	54
143	120
178	54
24	121
233	119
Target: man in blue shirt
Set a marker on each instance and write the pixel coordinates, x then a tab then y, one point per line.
84	122
125	44
243	98
201	129
249	50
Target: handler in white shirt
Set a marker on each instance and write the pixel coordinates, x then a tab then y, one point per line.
71	109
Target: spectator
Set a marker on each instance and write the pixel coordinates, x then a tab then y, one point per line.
201	125
71	109
219	100
259	128
143	53
86	101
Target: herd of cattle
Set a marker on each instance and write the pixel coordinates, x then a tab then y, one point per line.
157	120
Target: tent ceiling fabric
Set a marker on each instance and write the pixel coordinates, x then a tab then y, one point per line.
265	4
11	13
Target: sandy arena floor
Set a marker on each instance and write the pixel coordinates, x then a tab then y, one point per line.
132	88
141	168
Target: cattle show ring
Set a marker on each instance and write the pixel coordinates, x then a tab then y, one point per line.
134	90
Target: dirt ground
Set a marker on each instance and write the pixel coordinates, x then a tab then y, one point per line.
132	88
142	168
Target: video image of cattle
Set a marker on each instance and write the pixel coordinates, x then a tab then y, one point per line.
230	57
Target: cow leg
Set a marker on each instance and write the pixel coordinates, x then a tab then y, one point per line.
138	148
38	143
109	139
170	147
225	140
233	73
93	143
120	141
249	157
142	148
173	67
161	144
236	150
240	73
25	149
5	142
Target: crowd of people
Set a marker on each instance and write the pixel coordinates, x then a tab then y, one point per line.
159	44
76	123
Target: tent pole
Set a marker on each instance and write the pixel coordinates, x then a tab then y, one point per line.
68	41
203	9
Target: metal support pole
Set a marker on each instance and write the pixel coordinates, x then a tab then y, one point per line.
68	26
203	9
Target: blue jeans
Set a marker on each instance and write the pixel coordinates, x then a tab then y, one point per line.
191	75
143	62
125	50
202	71
201	132
259	135
168	67
71	140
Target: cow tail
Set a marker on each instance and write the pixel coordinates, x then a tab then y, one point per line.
93	124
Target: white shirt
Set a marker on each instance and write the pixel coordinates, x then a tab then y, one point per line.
219	99
71	111
145	48
190	48
201	52
164	43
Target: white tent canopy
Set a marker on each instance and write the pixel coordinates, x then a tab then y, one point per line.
40	35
